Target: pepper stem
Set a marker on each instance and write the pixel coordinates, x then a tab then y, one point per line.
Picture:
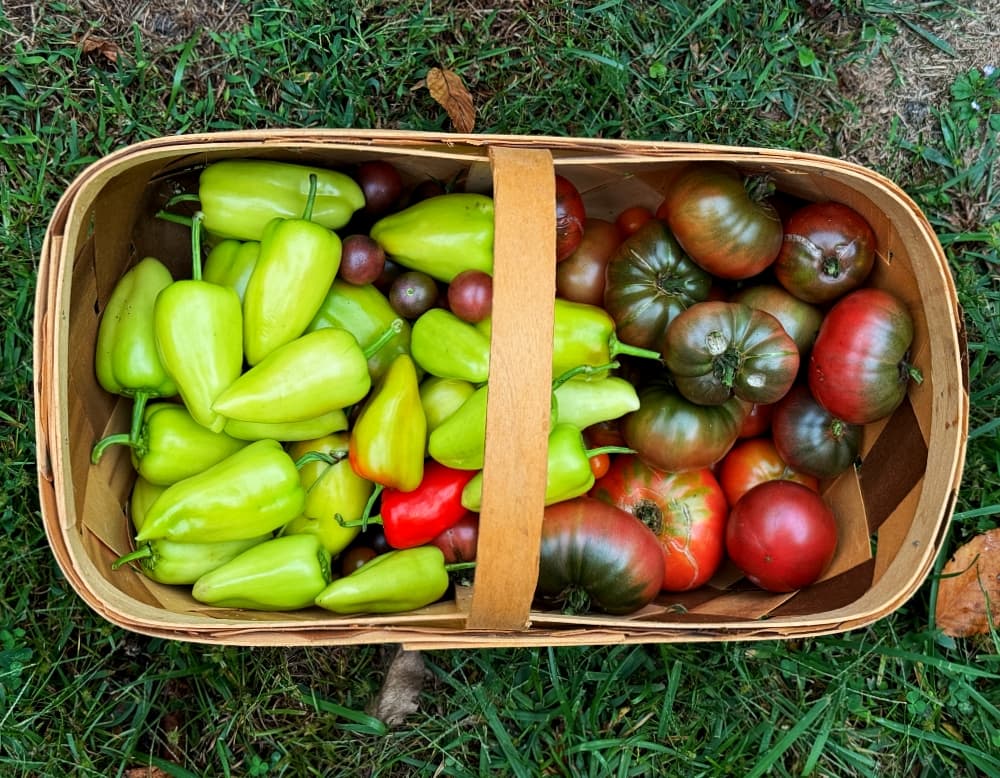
376	493
616	347
573	372
139	401
363	522
176	218
196	221
311	199
120	439
459	566
596	452
143	552
183	197
393	330
320	456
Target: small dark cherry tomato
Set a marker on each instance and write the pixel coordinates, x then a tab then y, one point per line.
354	557
413	293
362	260
381	184
470	295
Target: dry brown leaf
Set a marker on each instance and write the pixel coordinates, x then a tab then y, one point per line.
107	49
970	587
399	694
146	772
447	89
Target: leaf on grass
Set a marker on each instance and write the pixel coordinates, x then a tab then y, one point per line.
91	44
969	592
146	772
398	697
447	89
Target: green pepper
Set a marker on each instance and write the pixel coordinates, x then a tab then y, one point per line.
297	264
459	441
583	403
441	236
240	196
569	473
199	336
282	574
127	361
332	489
441	397
172	446
366	313
250	493
392	582
231	263
389	437
174	563
447	347
317	427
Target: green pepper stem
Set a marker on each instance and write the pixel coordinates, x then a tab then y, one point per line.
363	522
120	439
459	566
596	452
616	347
393	330
176	218
320	456
196	221
311	199
573	372
366	514
143	552
183	197
139	401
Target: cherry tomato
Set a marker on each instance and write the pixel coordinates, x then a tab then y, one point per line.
362	260
781	535
413	293
631	219
754	461
470	295
599	464
458	542
354	557
381	183
570	218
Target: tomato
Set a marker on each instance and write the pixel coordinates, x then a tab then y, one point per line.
470	295
458	542
604	433
810	438
599	464
717	350
858	369
649	282
580	277
631	219
800	319
757	421
594	554
781	535
828	250
719	224
381	184
570	217
362	260
671	433
354	557
413	293
686	511
754	461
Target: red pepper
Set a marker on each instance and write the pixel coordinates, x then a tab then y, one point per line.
416	517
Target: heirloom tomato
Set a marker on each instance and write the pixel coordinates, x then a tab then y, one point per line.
781	535
686	511
458	543
631	219
757	421
671	433
810	438
828	250
730	232
570	218
596	555
752	462
800	319
717	350
580	277
649	282
858	369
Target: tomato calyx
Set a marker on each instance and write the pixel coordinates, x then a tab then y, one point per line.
575	601
759	188
727	364
907	370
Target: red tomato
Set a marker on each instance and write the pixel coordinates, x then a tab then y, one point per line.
686	511
781	535
599	464
580	277
570	218
631	219
458	542
754	461
757	421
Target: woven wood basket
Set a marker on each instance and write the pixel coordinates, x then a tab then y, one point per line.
892	511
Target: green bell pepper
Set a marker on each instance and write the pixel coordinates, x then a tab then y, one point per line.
441	397
440	236
366	313
173	563
447	347
126	360
583	403
250	493
569	473
392	582
459	441
282	574
332	489
297	264
318	427
241	196
231	263
199	336
389	437
172	446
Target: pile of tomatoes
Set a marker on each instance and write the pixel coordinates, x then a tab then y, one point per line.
775	353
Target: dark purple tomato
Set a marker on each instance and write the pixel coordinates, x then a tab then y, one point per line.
381	183
470	295
413	293
570	218
362	260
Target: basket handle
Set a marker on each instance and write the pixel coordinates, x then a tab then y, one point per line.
518	403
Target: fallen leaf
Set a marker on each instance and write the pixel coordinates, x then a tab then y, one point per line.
398	696
146	772
969	591
106	48
447	89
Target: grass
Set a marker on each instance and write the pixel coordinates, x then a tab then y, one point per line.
80	697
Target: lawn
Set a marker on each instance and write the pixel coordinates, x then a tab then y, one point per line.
904	87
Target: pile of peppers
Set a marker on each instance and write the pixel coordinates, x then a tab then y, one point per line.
284	418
